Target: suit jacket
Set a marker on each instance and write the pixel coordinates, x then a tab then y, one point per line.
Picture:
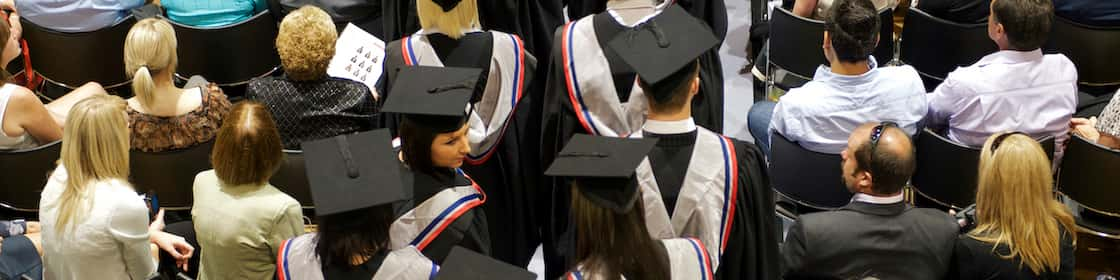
887	241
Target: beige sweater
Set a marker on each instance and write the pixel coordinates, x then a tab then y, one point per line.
240	227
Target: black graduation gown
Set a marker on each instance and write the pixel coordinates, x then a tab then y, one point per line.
398	19
469	230
752	247
508	177
707	106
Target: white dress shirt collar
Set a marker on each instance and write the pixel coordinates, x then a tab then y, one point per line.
669	127
1010	57
862	197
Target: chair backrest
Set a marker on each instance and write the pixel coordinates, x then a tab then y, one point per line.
170	174
809	178
1091	48
936	46
947	172
229	55
291	178
73	59
26	174
1087	175
795	44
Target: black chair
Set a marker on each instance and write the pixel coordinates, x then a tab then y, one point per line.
26	174
73	59
1088	176
291	178
936	46
947	172
170	174
795	46
1091	48
228	55
808	178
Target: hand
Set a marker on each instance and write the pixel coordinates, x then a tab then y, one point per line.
157	223
176	246
1085	128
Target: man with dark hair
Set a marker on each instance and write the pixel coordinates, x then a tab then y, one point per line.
1015	89
877	234
853	90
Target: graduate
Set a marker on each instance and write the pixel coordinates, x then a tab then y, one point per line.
695	182
433	146
611	239
591	90
464	264
355	181
501	131
708	105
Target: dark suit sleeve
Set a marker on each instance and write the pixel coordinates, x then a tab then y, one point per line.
794	254
752	248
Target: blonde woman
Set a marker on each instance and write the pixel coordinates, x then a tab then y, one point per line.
498	136
93	222
161	115
1022	232
306	103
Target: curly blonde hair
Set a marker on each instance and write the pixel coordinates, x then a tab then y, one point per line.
306	43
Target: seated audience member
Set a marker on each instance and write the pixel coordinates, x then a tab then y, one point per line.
610	234
236	191
1015	89
306	103
75	15
877	234
959	11
21	248
161	115
819	9
1098	13
353	241
1104	130
212	13
854	90
1021	231
93	222
26	122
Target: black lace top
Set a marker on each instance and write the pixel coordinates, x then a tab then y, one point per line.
315	109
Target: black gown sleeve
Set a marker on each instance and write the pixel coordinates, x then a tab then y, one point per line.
468	231
707	106
752	248
392	64
399	18
557	126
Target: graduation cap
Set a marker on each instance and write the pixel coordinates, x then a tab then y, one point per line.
604	168
350	172
447	5
663	49
464	264
436	97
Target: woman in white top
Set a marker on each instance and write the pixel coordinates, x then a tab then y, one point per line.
93	222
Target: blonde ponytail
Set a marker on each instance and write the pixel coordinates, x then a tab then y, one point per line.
149	50
94	149
453	23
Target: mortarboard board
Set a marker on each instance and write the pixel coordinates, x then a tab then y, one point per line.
604	167
447	5
464	264
350	172
436	97
661	49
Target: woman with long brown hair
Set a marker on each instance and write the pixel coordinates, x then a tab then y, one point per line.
1022	232
611	239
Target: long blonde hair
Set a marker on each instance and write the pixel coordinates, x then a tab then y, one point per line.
452	23
1015	205
94	148
149	49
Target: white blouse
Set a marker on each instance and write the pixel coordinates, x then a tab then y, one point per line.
110	241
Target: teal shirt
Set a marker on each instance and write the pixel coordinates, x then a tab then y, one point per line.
212	13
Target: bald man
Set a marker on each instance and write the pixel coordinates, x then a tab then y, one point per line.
876	234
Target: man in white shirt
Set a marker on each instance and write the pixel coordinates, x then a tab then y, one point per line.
854	90
1015	89
73	15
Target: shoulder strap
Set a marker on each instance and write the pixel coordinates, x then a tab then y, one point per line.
508	67
591	86
406	263
296	259
688	259
419	226
706	203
